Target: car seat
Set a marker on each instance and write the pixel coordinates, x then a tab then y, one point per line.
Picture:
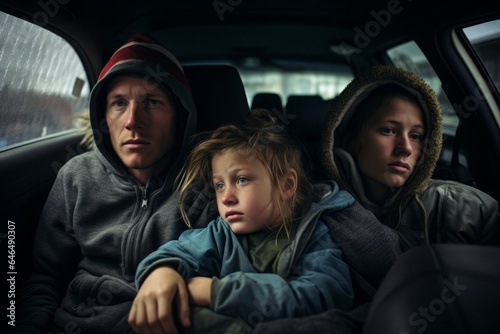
218	93
267	101
441	288
306	116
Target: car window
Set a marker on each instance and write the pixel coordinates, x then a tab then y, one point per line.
43	84
408	56
325	81
485	40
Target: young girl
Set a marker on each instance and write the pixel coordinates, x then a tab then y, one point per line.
267	256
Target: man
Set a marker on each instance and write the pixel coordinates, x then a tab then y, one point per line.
112	206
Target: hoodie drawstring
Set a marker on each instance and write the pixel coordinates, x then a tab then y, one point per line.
426	223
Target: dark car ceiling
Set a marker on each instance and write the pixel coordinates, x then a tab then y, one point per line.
202	30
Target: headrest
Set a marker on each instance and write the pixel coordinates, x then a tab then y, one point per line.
307	115
442	288
218	93
267	101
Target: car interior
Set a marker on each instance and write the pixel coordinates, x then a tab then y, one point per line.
293	57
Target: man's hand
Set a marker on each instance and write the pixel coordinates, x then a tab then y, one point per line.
151	311
199	290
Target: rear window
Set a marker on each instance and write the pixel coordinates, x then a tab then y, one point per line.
43	84
326	81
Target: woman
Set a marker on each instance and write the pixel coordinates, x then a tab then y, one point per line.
382	141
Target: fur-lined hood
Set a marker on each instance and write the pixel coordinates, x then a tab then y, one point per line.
350	98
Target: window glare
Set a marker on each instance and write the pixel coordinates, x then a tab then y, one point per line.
43	84
327	85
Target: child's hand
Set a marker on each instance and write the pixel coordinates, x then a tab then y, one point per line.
199	290
151	311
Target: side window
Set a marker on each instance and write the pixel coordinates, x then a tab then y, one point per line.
408	56
485	40
43	84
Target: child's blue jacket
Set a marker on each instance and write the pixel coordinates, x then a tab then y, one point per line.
311	277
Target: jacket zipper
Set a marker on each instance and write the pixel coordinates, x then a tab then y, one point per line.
130	252
144	204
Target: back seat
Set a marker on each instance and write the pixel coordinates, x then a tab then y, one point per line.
306	115
218	93
268	101
440	288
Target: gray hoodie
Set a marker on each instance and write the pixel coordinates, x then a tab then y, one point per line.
99	222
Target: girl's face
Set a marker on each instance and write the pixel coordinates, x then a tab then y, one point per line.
389	147
244	192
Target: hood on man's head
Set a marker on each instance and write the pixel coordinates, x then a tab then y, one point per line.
357	90
144	56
